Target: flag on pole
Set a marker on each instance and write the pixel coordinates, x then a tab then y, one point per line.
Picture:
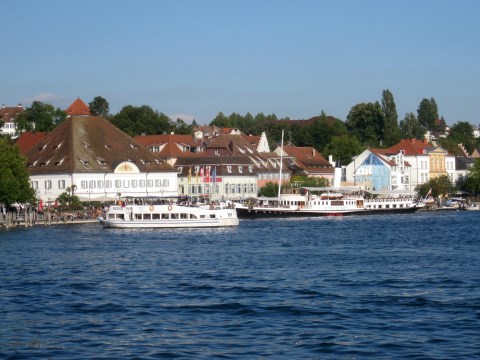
207	174
189	176
196	174
214	174
201	173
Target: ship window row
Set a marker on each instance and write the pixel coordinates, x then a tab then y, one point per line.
161	216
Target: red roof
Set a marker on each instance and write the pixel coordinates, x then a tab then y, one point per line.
27	140
9	113
78	107
410	147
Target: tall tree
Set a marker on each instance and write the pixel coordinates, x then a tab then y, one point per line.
462	133
391	132
365	121
39	117
14	178
220	120
343	148
410	127
99	106
427	113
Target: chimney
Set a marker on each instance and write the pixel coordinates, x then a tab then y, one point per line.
313	152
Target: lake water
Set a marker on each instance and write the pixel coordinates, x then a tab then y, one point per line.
386	287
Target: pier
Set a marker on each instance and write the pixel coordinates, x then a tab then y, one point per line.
11	220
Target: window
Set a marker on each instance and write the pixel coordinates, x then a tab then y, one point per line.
250	169
118	184
240	169
99	184
149	183
229	169
84	184
142	183
35	185
165	183
134	183
61	184
126	183
108	184
48	184
158	183
91	184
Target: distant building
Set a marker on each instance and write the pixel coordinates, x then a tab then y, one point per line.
8	115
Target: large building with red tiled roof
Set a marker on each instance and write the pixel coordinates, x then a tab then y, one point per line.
99	160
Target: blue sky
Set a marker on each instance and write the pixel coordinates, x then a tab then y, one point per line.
198	58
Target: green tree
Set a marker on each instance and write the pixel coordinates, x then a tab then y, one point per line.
182	128
270	189
427	113
365	121
391	132
343	148
39	117
462	133
14	177
137	120
472	181
410	127
99	106
441	186
220	120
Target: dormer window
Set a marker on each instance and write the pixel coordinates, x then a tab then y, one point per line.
240	169
58	146
107	146
58	163
84	162
133	146
250	169
42	147
87	146
229	169
102	162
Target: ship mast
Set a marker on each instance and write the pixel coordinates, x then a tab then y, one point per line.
281	164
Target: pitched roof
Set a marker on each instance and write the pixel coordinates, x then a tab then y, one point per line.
9	113
78	107
27	140
410	147
83	144
171	144
308	159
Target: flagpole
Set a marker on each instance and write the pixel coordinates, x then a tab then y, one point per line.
281	164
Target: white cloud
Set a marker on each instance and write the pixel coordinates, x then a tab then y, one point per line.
48	98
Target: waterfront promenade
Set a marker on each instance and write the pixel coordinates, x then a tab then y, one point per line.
28	219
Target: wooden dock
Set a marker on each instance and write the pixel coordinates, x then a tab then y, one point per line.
13	220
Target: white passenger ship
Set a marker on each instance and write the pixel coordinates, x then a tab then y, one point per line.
154	212
328	202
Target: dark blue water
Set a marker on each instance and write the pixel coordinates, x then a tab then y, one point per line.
386	287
